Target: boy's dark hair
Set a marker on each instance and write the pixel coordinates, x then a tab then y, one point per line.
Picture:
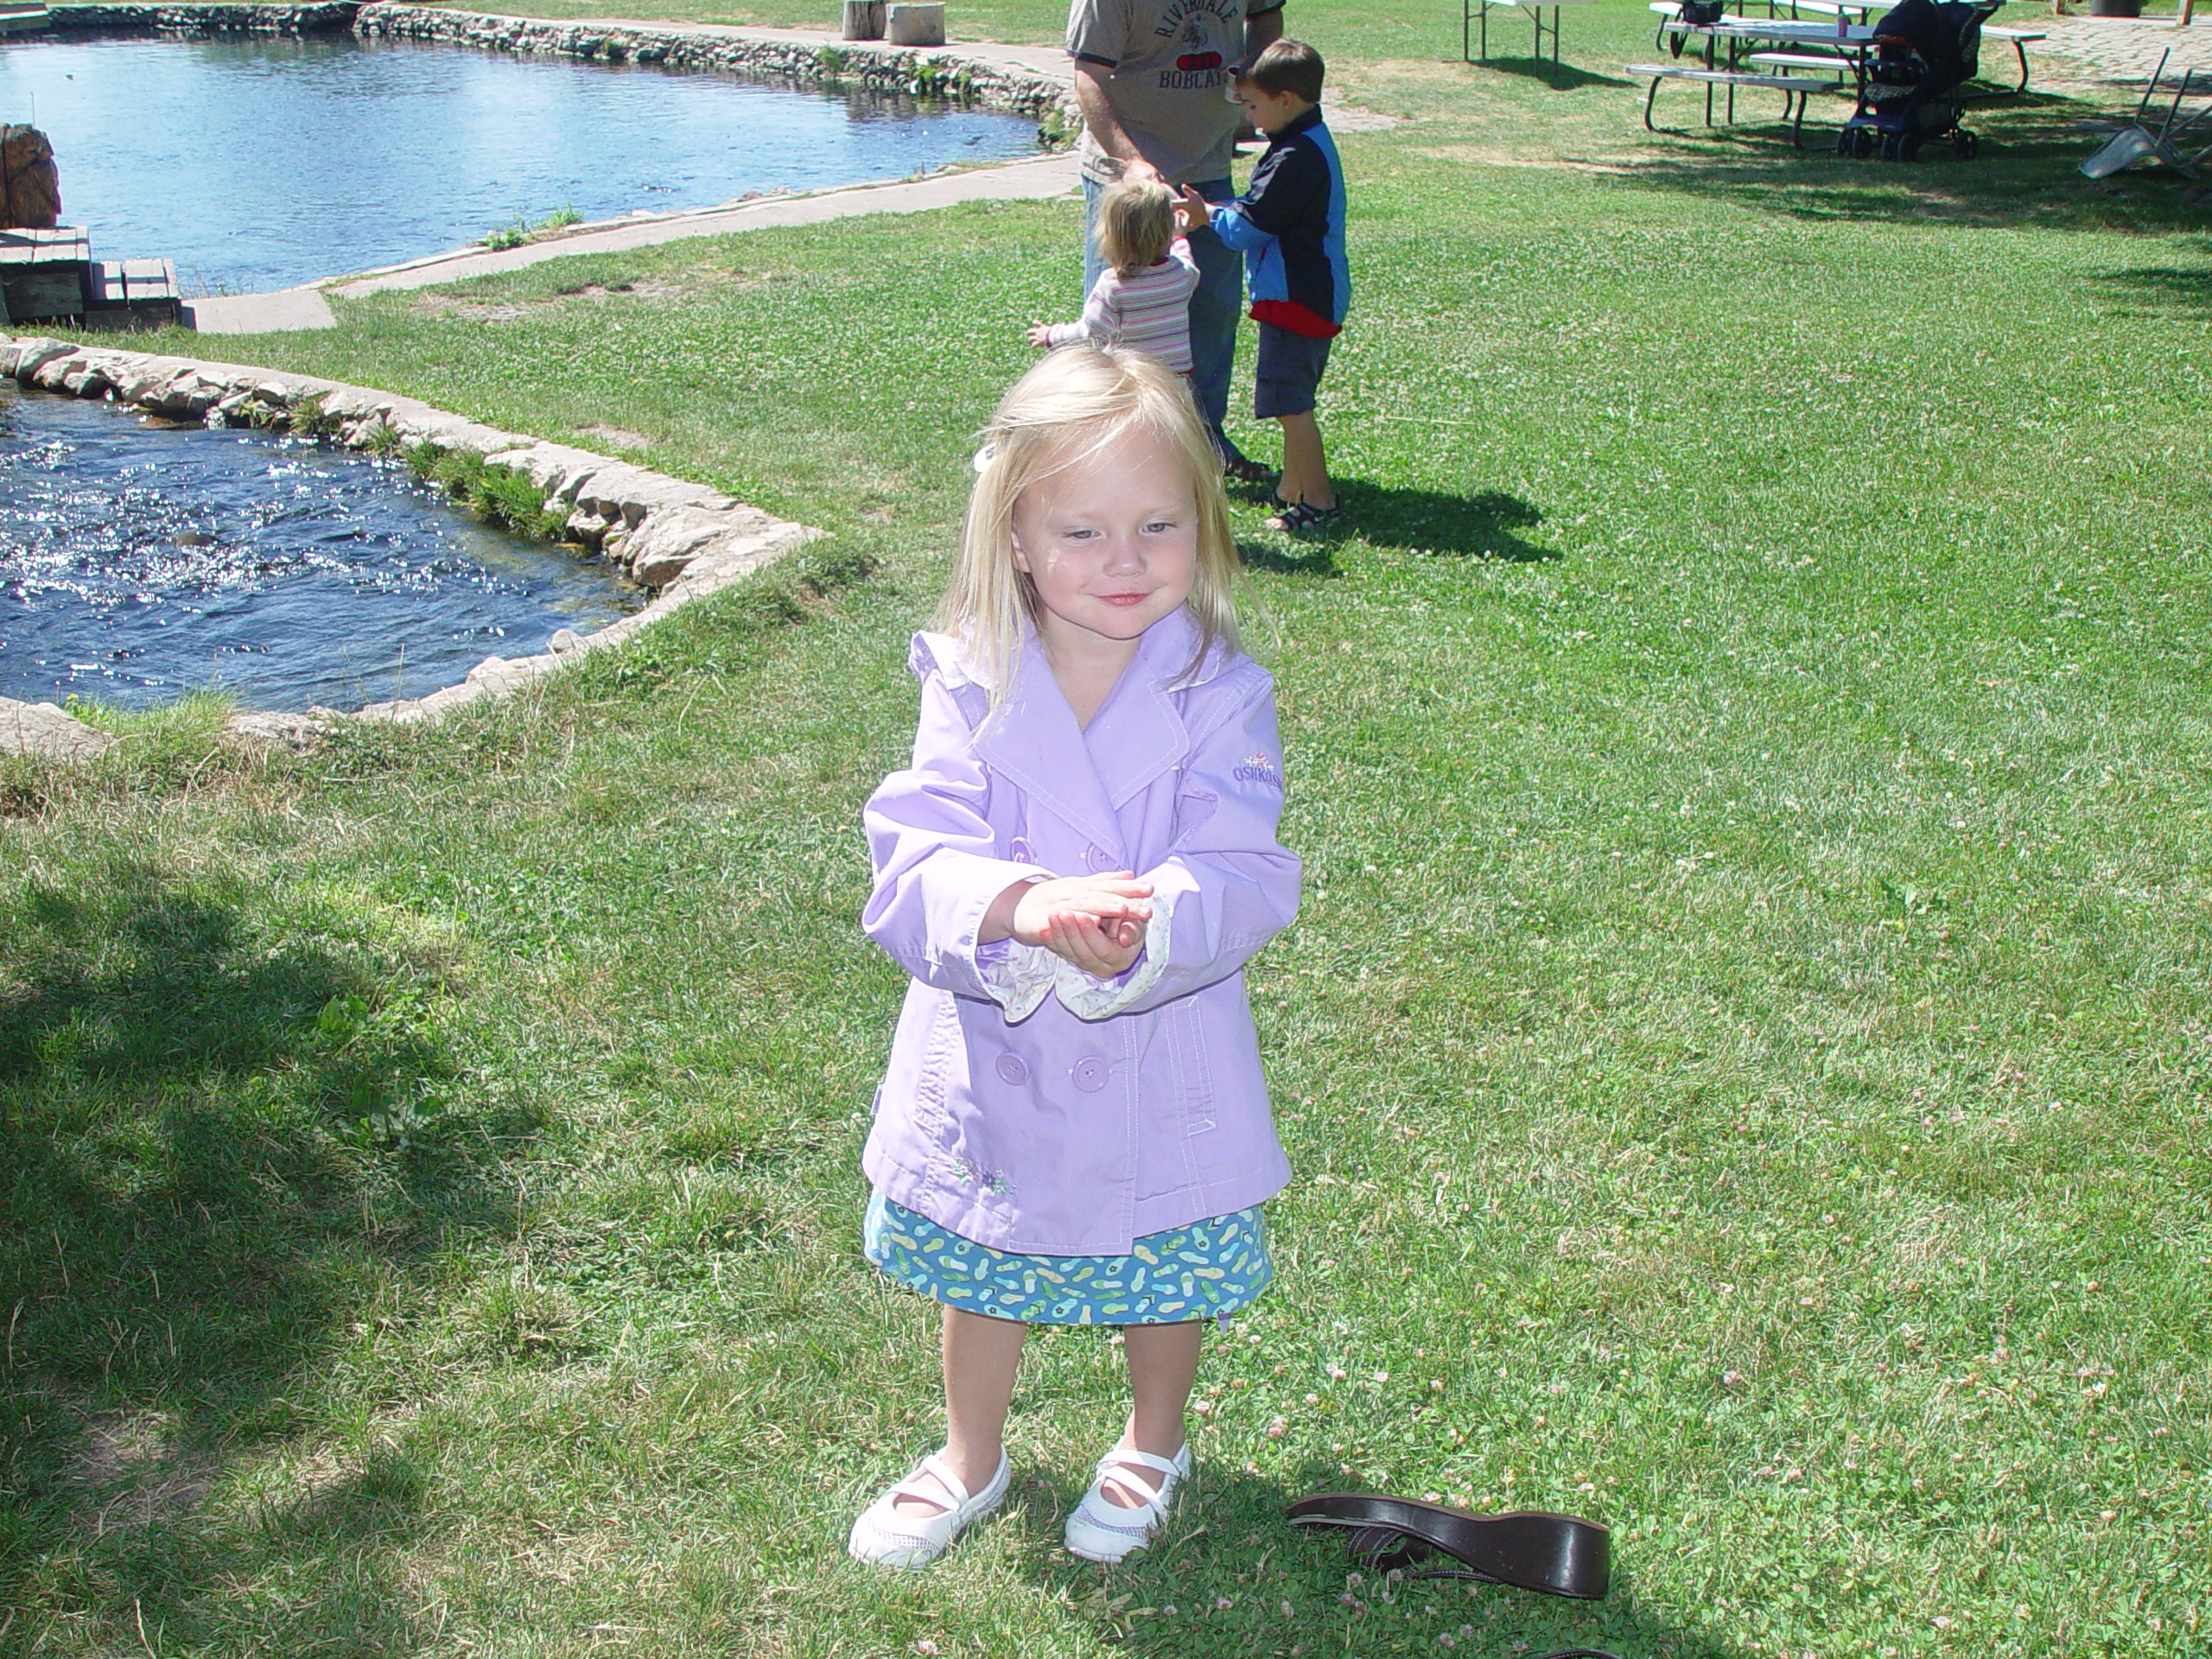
1286	66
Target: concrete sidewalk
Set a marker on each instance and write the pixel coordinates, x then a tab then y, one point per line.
1046	176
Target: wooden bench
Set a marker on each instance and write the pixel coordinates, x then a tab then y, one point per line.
1474	15
133	294
42	273
1795	89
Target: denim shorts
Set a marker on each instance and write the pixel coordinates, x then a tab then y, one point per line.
1288	372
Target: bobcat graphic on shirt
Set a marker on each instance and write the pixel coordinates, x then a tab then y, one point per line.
1200	63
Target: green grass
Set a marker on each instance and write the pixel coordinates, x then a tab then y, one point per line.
1744	1052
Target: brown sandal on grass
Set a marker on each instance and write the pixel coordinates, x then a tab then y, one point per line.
1558	1554
1297	517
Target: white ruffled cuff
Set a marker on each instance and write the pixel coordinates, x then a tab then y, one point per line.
1019	978
1088	997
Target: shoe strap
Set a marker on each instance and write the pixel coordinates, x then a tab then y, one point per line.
1112	1467
913	1487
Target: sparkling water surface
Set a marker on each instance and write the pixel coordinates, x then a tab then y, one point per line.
258	163
139	562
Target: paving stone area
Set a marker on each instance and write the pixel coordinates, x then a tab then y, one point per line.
2127	48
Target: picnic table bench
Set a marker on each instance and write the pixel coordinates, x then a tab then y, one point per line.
1795	90
1474	16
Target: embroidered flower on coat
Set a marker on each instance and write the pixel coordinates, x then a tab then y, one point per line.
991	1181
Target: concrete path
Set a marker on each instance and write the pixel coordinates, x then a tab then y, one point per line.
1047	177
259	313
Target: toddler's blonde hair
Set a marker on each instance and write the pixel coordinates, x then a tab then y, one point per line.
1076	403
1136	223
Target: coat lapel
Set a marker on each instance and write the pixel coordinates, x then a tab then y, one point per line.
1035	744
1138	734
1085	776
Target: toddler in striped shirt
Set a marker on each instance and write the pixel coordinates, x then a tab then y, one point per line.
1142	299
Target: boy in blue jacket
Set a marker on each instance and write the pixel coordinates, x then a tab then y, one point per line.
1289	224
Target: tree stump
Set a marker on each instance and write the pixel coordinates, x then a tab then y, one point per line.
31	189
863	20
915	22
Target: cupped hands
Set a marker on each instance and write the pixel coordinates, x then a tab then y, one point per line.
1096	922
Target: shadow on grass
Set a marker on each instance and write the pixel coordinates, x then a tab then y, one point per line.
2189	291
1230	1565
2026	174
1486	526
213	1150
1560	77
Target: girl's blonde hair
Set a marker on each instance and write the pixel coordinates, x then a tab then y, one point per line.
1136	223
1076	403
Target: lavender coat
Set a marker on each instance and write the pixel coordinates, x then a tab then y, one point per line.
1029	1106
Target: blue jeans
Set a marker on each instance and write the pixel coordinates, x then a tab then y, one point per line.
1215	303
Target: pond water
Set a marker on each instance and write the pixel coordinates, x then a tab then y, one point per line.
259	163
137	564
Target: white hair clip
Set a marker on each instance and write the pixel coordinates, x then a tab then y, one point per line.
983	455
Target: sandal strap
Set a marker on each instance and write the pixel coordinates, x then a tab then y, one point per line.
1113	1467
912	1486
1302	514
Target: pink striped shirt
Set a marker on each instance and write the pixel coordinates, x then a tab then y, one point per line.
1148	312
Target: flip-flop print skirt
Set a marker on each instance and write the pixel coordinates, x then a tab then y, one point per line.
1210	1269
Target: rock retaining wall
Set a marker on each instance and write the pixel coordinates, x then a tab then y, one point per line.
209	17
683	539
937	72
968	74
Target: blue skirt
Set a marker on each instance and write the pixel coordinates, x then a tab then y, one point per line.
1207	1270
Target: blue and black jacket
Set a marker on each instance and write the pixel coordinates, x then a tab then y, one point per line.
1289	224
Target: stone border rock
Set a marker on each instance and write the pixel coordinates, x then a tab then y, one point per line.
203	17
965	73
970	73
684	539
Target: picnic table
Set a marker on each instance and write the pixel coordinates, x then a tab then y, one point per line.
1844	45
1862	12
1474	15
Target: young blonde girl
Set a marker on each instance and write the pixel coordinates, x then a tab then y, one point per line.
1142	298
1074	1128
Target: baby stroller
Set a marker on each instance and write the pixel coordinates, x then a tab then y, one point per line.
1924	51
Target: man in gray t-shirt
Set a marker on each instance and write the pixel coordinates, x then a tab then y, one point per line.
1155	80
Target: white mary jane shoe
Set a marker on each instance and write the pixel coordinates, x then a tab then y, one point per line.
888	1536
1099	1529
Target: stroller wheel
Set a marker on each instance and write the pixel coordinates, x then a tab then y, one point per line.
1908	147
1862	143
1964	144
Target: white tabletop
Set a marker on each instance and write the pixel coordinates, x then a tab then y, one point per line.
1779	28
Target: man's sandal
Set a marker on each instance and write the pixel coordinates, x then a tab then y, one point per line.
1099	1529
1296	518
1236	465
889	1537
1558	1554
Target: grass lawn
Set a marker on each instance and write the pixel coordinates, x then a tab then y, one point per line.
1744	1052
